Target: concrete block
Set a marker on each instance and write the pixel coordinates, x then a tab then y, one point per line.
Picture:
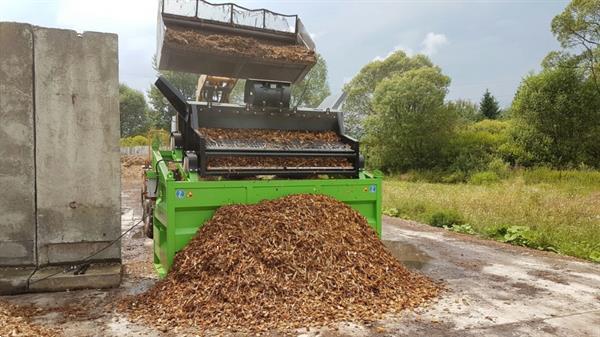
98	276
14	280
77	144
17	167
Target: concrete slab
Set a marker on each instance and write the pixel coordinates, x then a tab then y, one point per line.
77	144
14	280
17	167
98	276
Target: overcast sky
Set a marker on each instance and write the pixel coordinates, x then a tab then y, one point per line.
479	44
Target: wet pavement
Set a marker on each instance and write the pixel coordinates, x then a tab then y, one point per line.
493	289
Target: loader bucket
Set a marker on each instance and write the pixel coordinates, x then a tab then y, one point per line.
232	41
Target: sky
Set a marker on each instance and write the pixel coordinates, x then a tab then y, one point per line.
480	44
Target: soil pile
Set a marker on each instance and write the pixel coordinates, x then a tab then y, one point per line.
235	45
132	166
14	321
301	260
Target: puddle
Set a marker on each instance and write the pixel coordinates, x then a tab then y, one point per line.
408	254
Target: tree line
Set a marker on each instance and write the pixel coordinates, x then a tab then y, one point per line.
398	108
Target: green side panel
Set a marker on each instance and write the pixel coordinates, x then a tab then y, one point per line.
184	206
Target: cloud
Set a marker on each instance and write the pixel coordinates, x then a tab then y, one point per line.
432	43
409	51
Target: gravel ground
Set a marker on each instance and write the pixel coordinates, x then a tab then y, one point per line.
493	289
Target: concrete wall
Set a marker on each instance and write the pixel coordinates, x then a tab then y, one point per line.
17	168
59	144
77	152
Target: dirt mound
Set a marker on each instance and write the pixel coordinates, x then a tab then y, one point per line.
302	260
131	166
15	322
235	45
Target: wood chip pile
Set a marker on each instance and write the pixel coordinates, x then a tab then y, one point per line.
14	321
298	261
131	166
235	45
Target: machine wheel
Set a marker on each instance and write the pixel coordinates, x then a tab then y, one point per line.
148	217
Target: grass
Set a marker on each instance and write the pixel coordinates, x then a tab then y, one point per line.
539	208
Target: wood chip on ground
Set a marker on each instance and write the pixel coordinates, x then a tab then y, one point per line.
15	322
235	45
298	261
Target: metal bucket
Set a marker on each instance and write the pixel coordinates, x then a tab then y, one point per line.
231	20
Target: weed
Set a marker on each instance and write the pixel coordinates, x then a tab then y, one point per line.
560	209
448	218
482	178
464	229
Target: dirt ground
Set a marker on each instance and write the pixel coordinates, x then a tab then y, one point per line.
493	289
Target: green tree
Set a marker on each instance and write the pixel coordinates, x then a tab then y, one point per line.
558	118
134	111
577	29
467	110
360	90
410	126
161	109
313	88
489	108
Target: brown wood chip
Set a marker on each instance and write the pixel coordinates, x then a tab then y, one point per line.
236	45
301	260
16	321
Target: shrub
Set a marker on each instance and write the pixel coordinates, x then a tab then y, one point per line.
446	218
134	141
499	167
476	146
485	177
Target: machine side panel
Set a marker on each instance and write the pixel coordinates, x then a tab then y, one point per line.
77	148
17	168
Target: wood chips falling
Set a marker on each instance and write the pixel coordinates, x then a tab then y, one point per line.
235	45
14	321
298	261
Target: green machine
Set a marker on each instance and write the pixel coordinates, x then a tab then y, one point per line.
219	154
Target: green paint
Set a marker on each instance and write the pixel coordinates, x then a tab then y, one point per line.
182	207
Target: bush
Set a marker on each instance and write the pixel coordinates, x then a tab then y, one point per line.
447	218
134	141
499	167
558	117
476	146
483	178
